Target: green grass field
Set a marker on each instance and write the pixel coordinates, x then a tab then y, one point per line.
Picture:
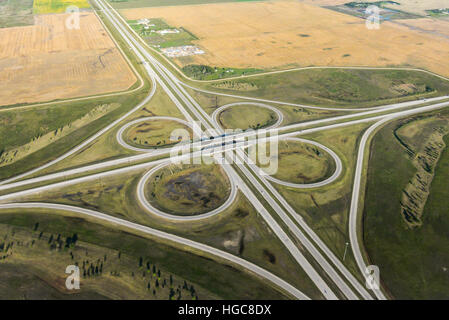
303	163
122	277
188	189
57	6
245	117
16	13
238	230
202	72
413	262
155	134
337	87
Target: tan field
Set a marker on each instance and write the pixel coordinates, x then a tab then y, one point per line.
419	6
413	6
438	28
284	34
47	61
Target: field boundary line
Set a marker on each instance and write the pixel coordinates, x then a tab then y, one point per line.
127	91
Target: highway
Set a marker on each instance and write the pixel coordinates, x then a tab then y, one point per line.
167	236
199	113
323	257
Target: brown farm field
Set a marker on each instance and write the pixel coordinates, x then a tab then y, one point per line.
284	34
47	61
413	6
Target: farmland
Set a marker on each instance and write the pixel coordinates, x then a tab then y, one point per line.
295	37
16	13
410	6
53	62
122	4
57	6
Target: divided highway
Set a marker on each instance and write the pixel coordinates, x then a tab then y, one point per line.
239	173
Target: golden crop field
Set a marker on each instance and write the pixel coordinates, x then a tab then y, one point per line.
57	6
47	61
281	34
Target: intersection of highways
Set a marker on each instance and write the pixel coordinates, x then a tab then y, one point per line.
243	174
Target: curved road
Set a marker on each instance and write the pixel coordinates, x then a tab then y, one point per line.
335	175
279	114
120	133
146	204
167	236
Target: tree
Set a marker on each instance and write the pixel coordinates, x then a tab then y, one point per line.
74	238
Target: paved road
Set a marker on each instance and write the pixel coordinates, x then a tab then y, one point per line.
198	112
332	178
355	201
148	206
167	236
279	114
167	82
123	143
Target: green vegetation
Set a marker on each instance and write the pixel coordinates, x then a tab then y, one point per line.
413	261
303	163
43	139
28	124
202	72
125	4
22	125
16	13
188	189
337	87
155	33
367	4
156	133
325	209
443	12
57	6
116	195
246	116
130	261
